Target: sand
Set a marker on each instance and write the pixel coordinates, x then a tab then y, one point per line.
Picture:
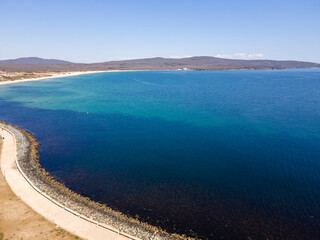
55	75
18	221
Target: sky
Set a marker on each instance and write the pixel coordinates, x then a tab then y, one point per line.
103	30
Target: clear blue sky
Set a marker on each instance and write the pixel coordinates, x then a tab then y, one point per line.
100	30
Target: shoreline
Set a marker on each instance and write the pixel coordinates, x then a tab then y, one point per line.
67	201
56	75
77	73
18	220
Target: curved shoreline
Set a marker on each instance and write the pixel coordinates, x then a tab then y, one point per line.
58	75
27	160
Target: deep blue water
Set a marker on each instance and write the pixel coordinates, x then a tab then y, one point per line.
218	155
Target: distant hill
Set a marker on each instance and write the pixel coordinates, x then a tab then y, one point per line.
192	63
34	60
208	63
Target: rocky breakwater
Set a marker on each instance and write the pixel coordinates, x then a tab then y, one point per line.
28	160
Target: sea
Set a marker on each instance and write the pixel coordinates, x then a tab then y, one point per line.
205	154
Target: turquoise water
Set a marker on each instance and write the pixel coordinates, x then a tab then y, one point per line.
212	154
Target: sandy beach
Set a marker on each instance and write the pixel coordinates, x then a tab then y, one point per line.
54	75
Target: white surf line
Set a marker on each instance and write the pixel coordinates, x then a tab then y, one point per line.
52	210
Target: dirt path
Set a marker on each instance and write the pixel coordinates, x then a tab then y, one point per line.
18	221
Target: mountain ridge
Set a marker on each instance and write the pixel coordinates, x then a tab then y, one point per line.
34	60
156	63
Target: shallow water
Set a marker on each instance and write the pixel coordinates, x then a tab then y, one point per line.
218	155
